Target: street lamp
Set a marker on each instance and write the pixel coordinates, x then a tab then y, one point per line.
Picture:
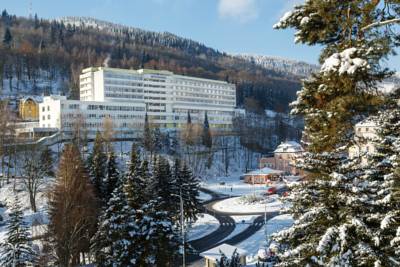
182	227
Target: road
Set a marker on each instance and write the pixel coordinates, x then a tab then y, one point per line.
227	226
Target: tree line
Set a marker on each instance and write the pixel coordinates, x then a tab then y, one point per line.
33	50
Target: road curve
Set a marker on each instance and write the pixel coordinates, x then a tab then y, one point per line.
227	226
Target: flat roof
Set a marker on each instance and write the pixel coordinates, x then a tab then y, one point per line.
150	71
224	249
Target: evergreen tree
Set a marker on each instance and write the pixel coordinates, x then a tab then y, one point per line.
188	187
97	165
135	185
189	118
148	142
116	242
161	186
206	136
47	161
16	250
112	177
7	39
207	140
161	238
329	229
157	139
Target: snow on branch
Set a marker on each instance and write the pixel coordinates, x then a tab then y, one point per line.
381	23
344	62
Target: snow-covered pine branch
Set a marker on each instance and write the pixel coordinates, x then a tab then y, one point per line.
381	23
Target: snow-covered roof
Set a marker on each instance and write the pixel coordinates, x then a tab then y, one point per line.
366	123
264	171
227	250
289	147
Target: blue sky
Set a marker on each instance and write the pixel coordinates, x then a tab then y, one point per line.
233	26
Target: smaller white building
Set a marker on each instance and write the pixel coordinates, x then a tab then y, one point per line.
365	132
214	255
60	113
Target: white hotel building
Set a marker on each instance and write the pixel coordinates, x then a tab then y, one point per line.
126	95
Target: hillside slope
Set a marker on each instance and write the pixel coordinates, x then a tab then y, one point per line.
47	57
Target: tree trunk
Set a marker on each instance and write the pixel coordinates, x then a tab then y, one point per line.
32	201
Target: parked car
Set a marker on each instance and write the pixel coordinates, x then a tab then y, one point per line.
271	191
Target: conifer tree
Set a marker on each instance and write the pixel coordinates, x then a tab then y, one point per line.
7	40
162	186
148	142
47	161
16	250
157	136
328	231
135	186
97	164
187	186
207	140
206	136
116	242
161	238
72	209
112	177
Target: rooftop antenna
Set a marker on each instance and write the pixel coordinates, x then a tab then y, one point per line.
30	9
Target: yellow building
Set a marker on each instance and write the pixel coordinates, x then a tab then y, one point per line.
29	109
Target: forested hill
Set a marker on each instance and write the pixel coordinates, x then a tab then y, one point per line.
41	56
287	66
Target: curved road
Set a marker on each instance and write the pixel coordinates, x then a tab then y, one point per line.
227	226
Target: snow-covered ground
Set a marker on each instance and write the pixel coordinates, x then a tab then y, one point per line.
237	205
205	225
204	196
258	240
233	186
7	197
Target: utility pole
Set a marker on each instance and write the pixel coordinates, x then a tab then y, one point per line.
265	222
183	230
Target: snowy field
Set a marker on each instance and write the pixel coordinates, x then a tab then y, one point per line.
205	225
233	186
258	240
7	197
237	205
204	196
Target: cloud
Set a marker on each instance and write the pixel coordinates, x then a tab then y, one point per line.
242	10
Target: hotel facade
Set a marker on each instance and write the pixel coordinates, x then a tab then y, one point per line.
125	96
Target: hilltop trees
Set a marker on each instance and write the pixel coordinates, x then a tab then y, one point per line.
72	209
16	249
7	40
331	226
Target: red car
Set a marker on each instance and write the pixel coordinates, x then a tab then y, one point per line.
271	191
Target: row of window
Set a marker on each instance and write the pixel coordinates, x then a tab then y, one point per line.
114	108
191	100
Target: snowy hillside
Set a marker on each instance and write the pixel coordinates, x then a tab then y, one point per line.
299	68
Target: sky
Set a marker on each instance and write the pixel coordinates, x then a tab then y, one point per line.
232	26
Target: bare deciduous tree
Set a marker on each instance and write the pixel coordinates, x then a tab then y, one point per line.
33	173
